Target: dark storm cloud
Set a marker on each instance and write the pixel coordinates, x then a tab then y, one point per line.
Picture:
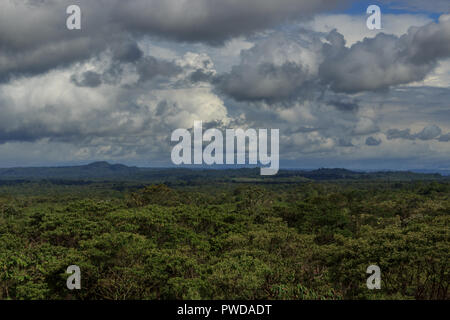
147	68
59	124
34	38
150	67
445	137
347	106
42	42
126	52
371	141
399	134
201	76
273	70
44	59
87	79
212	21
24	126
373	64
386	60
345	142
265	81
428	133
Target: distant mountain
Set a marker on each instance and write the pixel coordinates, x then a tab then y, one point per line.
105	171
96	170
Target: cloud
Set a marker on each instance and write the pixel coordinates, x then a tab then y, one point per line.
113	25
278	68
428	133
263	82
399	134
138	70
353	27
34	38
212	21
386	60
41	42
78	108
371	141
87	79
285	66
445	137
365	126
150	67
348	106
127	51
319	127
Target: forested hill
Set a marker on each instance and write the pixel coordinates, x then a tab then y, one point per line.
106	171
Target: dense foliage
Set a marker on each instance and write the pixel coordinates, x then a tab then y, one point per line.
303	240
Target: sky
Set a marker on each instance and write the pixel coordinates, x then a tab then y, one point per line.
340	94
